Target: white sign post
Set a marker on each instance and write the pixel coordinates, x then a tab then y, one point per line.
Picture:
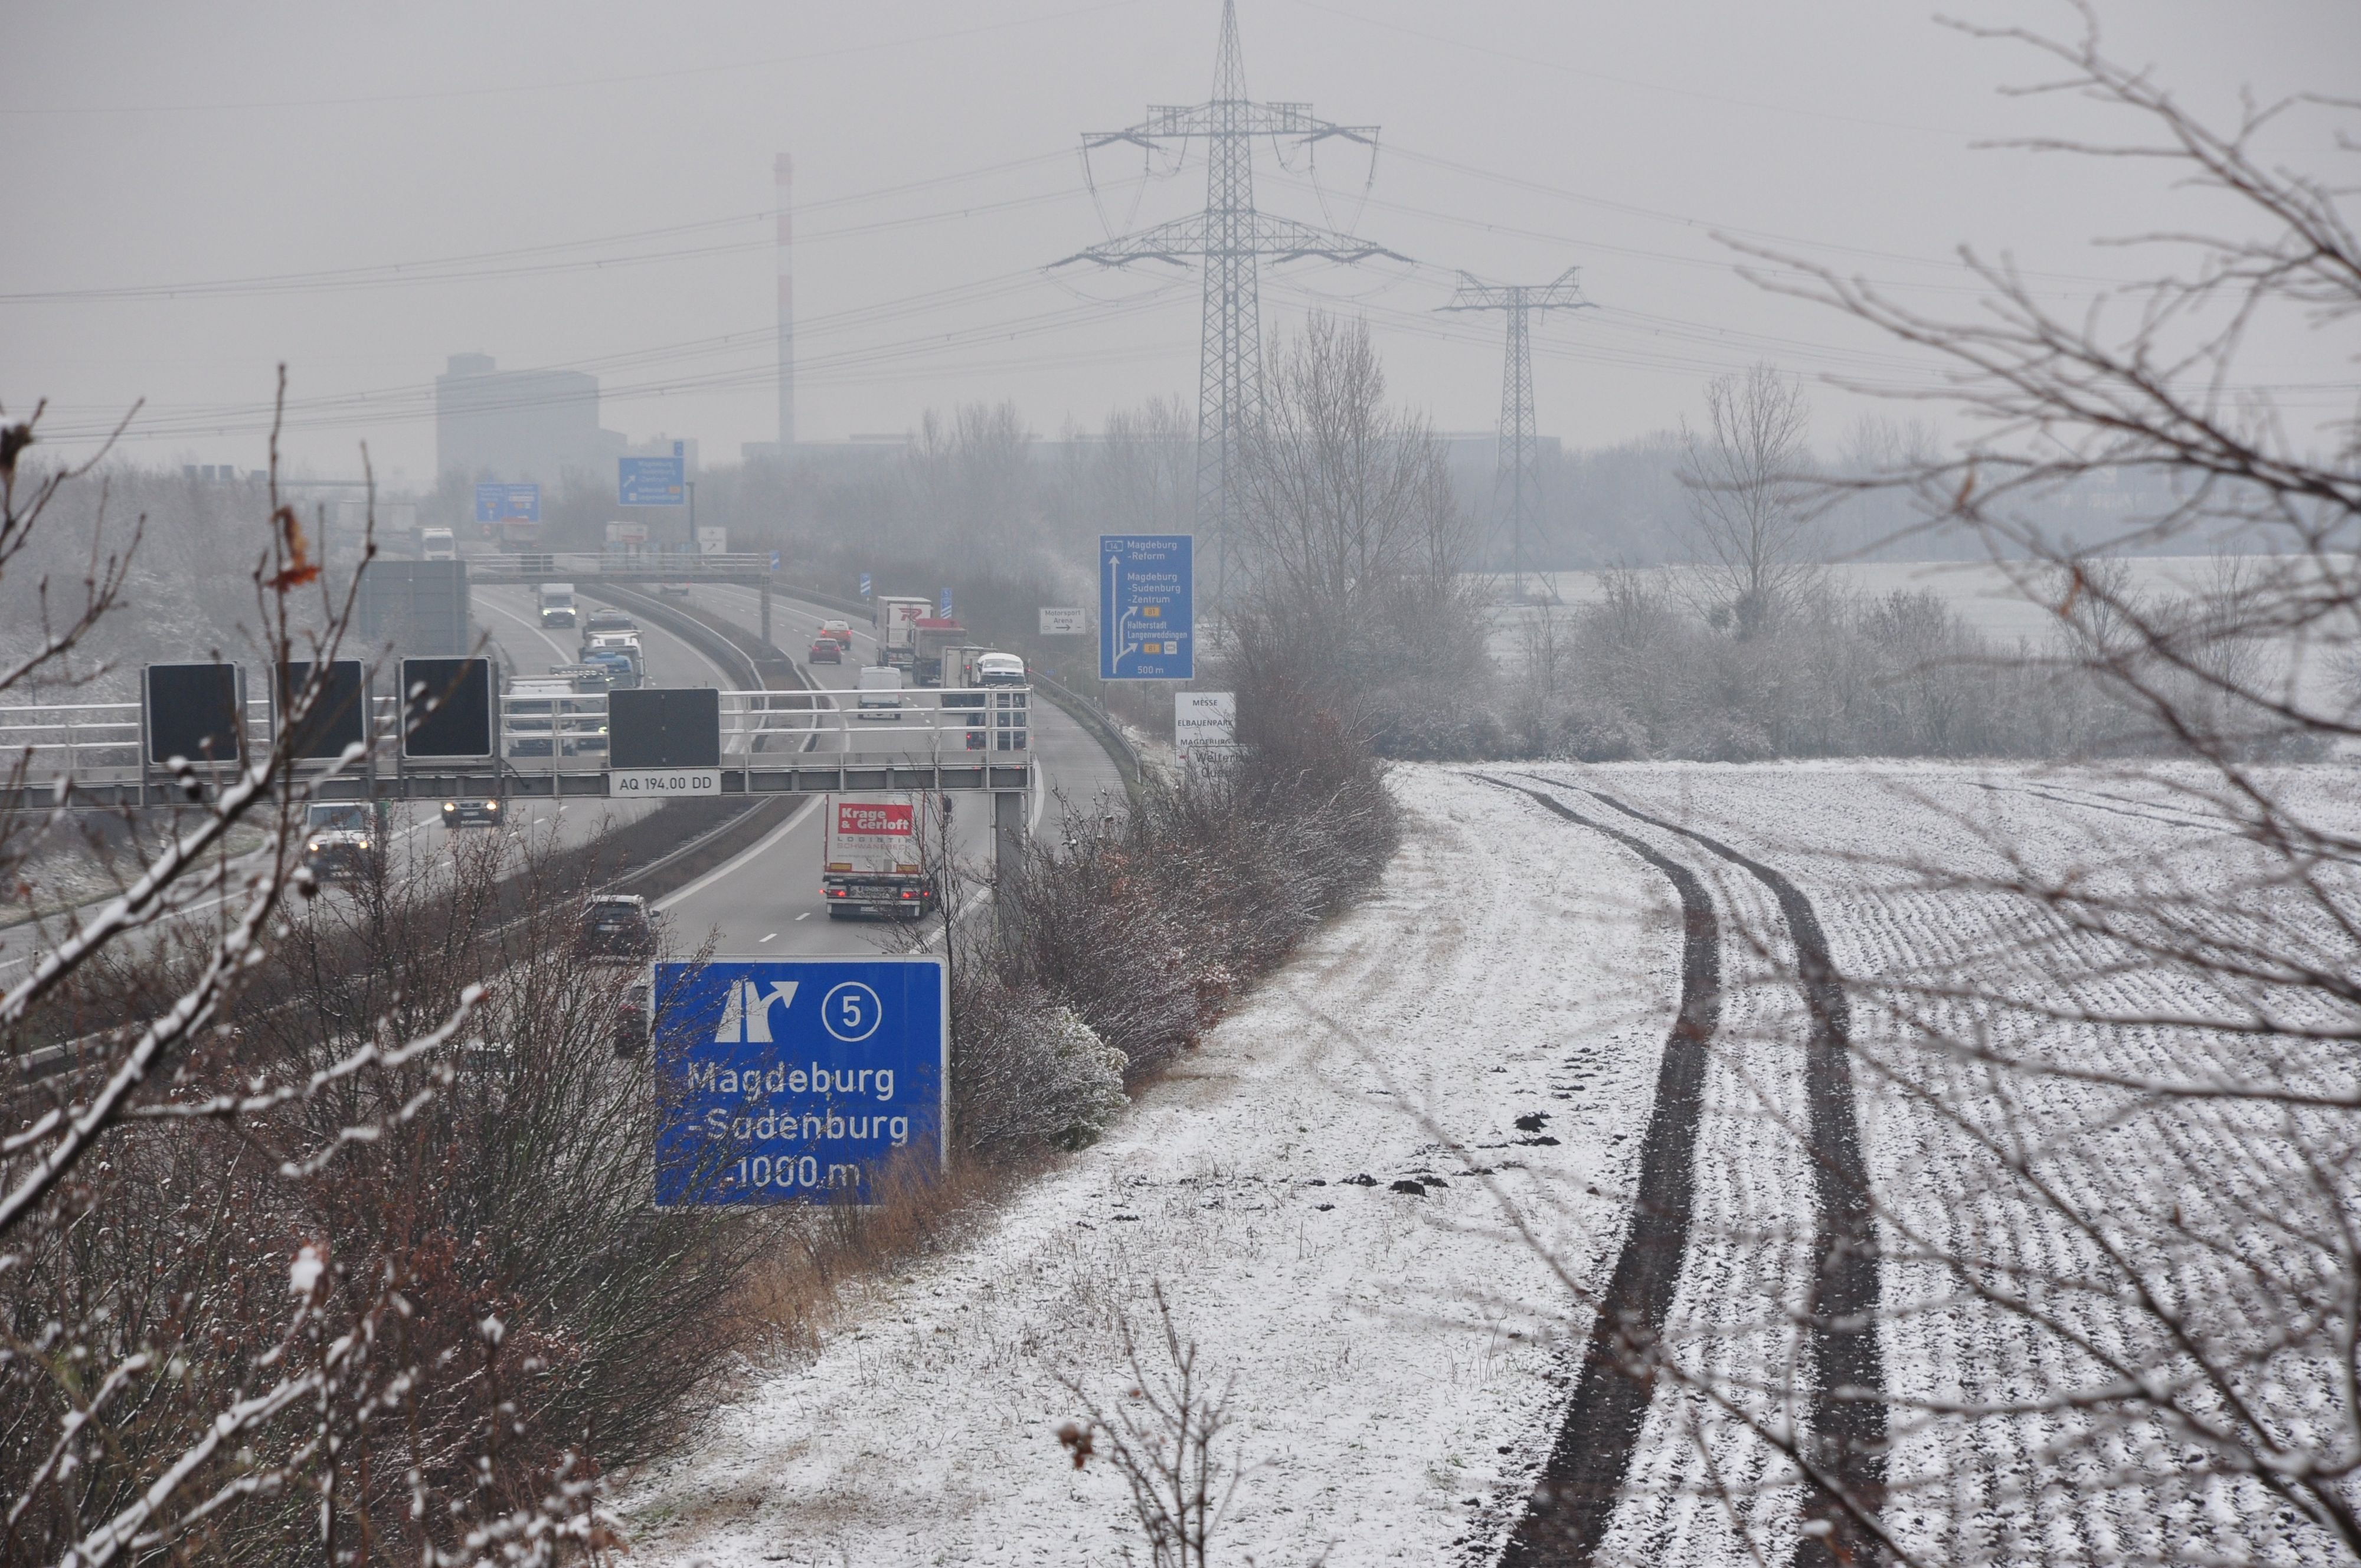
713	542
1205	724
1063	622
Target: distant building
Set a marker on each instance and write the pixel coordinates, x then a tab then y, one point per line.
416	608
521	426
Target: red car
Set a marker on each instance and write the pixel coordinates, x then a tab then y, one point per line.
825	650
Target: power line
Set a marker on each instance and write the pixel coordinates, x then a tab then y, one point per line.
511	90
1229	238
1518	480
468	268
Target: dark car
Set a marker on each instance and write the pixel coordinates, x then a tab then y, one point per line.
825	650
473	814
607	620
631	1021
616	925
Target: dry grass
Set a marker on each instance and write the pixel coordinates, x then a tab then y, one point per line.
823	1264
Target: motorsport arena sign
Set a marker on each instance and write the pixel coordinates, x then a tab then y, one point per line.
797	1080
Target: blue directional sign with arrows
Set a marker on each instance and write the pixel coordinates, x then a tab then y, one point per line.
653	481
508	503
798	1080
1147	607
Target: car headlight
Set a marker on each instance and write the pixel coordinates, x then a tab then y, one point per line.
365	843
313	846
491	805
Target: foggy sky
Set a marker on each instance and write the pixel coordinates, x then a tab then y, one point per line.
170	144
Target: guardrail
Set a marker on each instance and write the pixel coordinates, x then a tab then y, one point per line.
1102	729
564	566
556	744
49	739
569	734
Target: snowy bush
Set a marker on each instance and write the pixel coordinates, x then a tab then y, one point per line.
1027	1072
1147	925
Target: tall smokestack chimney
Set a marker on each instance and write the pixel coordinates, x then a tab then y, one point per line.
783	171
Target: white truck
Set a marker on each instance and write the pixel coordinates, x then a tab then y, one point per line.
872	858
546	717
436	544
557	604
897	630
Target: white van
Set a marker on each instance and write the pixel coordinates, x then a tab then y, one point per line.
436	544
557	604
881	693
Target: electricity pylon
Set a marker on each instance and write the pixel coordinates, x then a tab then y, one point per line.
1518	481
1230	239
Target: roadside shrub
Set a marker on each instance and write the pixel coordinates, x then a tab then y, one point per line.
1144	926
532	1319
1636	675
1028	1072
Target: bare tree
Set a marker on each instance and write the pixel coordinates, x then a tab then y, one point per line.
974	481
1146	471
2104	1231
1345	495
1165	1437
210	1349
1357	552
1750	529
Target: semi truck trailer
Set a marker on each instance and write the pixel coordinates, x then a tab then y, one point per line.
871	858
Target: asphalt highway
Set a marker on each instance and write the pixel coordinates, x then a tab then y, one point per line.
768	900
511	617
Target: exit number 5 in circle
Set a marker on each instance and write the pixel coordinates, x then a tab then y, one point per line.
851	1011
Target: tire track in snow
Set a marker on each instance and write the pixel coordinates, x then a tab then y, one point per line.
1844	1439
1568	1512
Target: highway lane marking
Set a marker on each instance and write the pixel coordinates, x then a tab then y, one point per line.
804	915
721	677
771	937
492	603
739	861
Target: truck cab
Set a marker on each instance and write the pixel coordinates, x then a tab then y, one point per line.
557	608
604	648
546	716
897	632
436	544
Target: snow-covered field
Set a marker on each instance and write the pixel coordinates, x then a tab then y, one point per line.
1403	1360
2024	1213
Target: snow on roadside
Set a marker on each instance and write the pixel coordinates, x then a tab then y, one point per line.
1398	1356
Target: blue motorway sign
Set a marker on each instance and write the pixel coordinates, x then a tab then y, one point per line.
865	584
508	503
947	604
774	560
653	481
1147	607
798	1080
